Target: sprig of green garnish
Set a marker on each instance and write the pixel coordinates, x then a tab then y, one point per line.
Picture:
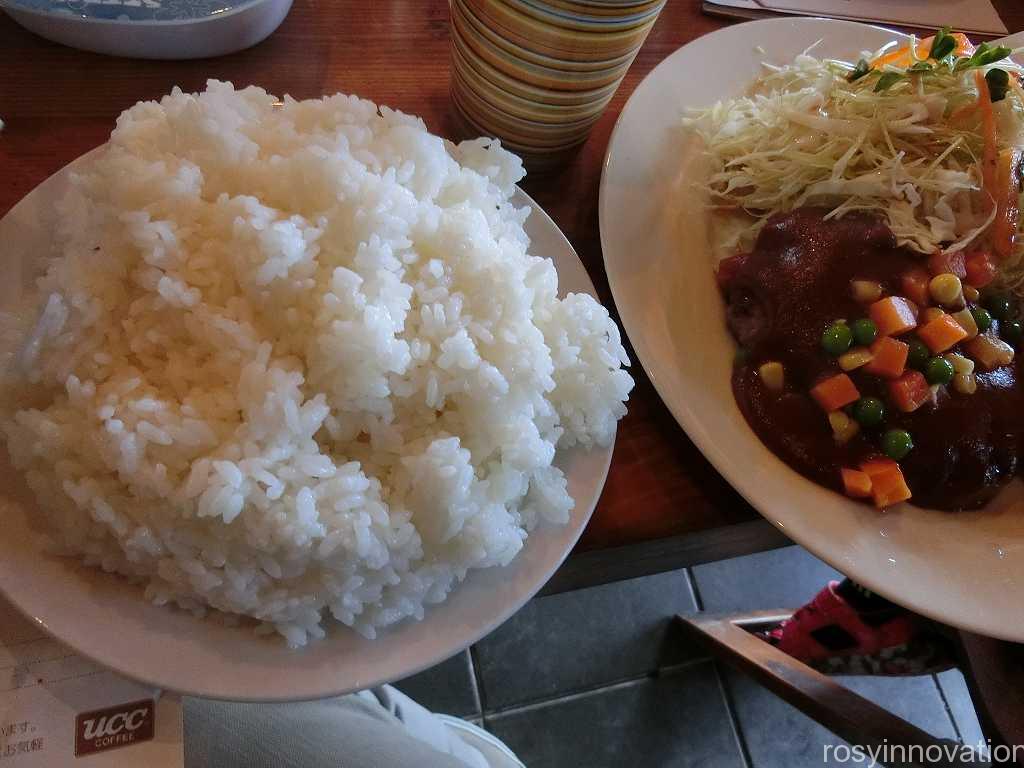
943	45
983	55
888	80
862	68
941	57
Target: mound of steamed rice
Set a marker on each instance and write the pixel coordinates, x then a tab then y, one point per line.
295	361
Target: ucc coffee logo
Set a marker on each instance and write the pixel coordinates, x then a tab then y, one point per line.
114	727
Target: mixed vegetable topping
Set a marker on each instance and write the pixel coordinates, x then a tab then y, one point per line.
926	342
928	137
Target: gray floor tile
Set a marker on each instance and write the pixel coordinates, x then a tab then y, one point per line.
777	735
959	700
578	640
674	720
915	699
781	578
447	688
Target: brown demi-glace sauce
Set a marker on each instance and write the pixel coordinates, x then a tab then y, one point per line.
781	297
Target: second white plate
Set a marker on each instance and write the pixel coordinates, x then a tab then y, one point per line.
966	569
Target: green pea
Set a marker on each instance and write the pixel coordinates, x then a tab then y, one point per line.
1001	305
836	339
982	318
917	356
939	371
864	331
896	444
869	411
1011	331
741	356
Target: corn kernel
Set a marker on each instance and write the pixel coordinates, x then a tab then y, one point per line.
843	427
773	375
838	420
929	314
966	321
866	291
946	289
965	383
855	358
971	293
960	363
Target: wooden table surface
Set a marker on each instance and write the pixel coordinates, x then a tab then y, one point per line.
664	504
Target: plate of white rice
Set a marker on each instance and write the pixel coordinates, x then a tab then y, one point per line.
296	397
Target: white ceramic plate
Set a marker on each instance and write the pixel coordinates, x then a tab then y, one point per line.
966	569
178	29
102	617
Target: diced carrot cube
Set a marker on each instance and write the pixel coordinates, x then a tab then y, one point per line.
888	358
877	465
889	487
941	333
835	392
856	483
980	269
887	483
941	262
893	315
915	286
910	391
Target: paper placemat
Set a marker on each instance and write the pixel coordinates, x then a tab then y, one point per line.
58	709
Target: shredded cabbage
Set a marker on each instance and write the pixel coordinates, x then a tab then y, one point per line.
804	135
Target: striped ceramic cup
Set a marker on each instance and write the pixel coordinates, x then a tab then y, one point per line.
538	73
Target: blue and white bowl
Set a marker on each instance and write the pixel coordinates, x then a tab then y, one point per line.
151	29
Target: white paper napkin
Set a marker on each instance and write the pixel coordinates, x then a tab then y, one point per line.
977	16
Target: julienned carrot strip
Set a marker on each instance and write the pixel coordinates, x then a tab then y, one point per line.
1015	84
1004	227
988	127
965	111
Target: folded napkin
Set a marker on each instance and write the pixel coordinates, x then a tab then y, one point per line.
971	16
